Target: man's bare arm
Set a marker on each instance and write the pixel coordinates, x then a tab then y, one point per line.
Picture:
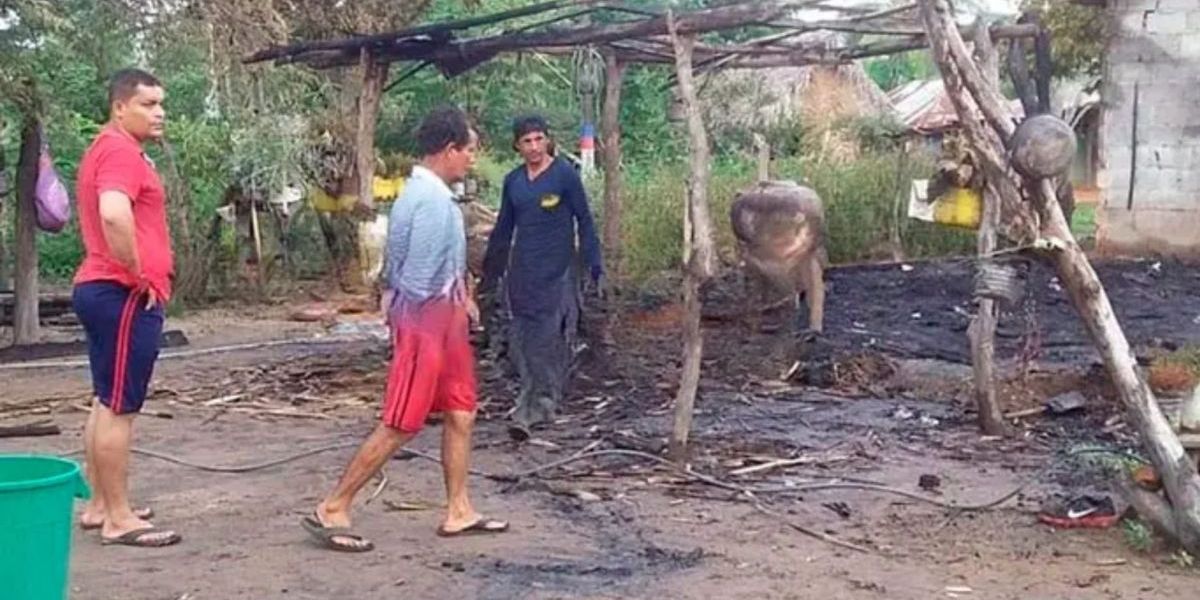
116	217
116	221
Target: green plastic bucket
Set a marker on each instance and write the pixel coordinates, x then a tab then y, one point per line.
36	498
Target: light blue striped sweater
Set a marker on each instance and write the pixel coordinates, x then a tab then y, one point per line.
426	256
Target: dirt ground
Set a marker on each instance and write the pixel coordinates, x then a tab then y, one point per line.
621	526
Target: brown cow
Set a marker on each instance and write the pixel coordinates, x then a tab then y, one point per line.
780	230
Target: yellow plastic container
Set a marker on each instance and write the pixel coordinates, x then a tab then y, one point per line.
959	207
384	190
322	202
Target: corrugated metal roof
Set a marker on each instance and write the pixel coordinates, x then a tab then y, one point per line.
913	100
924	107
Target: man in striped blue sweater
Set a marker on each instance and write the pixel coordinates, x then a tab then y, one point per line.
429	309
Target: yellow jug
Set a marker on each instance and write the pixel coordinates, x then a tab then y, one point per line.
384	190
959	207
323	202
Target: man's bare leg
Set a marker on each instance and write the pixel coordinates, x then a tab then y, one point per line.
93	511
334	510
456	458
112	434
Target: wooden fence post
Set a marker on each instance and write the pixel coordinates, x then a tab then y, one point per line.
698	231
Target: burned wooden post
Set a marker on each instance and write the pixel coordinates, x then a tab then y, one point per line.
698	265
610	147
1178	515
25	278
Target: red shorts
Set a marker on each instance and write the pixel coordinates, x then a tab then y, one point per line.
433	366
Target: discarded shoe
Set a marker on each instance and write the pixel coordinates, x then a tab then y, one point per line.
1082	512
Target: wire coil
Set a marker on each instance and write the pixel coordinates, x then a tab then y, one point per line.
999	281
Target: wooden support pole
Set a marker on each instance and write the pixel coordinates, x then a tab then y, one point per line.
698	230
587	156
898	202
1042	65
1180	481
256	231
763	150
374	75
610	148
982	331
1018	71
1148	505
25	279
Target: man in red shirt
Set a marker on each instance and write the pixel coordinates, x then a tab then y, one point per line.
120	290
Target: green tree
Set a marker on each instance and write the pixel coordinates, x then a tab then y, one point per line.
1079	35
889	72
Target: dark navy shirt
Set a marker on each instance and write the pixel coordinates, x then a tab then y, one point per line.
534	237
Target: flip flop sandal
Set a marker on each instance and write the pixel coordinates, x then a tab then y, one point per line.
145	513
324	534
137	537
482	526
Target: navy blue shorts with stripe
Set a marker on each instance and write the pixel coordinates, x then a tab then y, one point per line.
123	339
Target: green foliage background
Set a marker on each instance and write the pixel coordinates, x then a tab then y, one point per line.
56	55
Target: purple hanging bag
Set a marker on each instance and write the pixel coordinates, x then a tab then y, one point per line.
50	195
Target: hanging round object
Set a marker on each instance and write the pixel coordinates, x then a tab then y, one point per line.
1043	146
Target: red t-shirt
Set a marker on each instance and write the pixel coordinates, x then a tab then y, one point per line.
115	163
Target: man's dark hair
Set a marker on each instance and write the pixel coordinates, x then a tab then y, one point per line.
523	126
444	126
123	84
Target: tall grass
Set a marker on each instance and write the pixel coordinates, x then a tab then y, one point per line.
860	208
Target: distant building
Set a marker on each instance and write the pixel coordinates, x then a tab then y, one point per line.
1149	134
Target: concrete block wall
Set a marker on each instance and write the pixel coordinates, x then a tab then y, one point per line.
1155	54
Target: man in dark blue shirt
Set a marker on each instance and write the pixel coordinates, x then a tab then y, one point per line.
533	246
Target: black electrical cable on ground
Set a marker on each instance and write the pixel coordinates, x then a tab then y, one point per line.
831	484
